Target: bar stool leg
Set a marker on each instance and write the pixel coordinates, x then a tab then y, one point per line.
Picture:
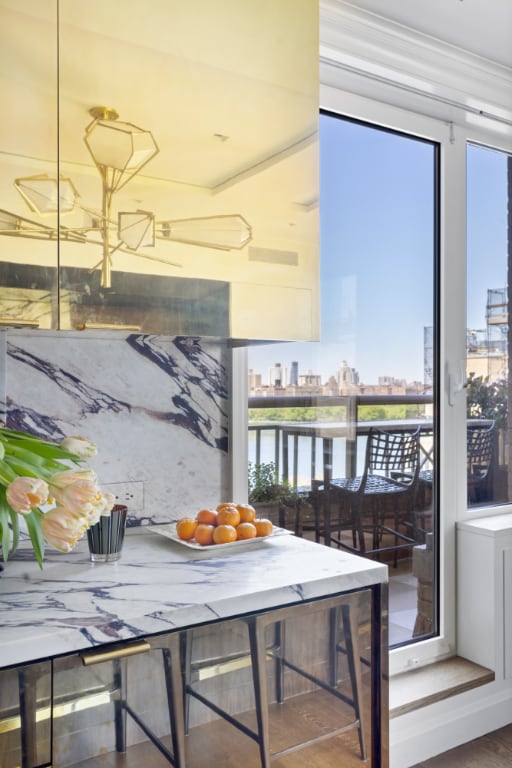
334	619
186	665
28	706
351	650
279	641
256	630
119	675
174	686
351	632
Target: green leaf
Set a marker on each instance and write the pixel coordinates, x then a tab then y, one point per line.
7	474
13	452
6	534
5	530
29	456
15	529
33	520
27	470
44	448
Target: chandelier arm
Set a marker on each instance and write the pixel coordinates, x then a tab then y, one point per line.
93	269
151	258
171	239
95	213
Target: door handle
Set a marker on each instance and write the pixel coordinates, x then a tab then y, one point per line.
97	657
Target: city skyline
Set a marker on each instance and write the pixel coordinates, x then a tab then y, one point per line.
345	375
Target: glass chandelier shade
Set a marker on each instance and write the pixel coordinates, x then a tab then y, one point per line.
9	222
121	148
136	229
45	194
226	233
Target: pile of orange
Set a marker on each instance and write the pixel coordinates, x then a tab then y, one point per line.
227	523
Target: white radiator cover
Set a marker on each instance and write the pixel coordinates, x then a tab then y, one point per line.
484	592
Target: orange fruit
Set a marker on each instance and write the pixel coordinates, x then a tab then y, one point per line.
263	526
246	531
224	534
185	528
228	516
247	513
204	534
225	504
207	516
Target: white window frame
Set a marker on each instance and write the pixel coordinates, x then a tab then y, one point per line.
452	135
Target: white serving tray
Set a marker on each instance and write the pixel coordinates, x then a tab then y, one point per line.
169	531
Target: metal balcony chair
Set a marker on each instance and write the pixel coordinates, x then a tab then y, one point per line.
377	505
480	450
480	443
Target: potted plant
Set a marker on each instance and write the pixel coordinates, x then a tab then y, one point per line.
489	400
275	500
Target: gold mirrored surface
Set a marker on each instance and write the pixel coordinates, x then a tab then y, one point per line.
229	93
28	145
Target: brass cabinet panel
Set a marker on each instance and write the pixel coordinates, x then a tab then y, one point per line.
28	147
229	95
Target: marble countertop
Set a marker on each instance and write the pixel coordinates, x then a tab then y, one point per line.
159	585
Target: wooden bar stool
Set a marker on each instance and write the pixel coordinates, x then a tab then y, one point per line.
113	683
169	649
341	623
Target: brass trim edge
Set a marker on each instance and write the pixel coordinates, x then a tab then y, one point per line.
60	710
10	321
116	653
106	327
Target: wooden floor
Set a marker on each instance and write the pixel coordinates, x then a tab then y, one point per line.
219	745
491	751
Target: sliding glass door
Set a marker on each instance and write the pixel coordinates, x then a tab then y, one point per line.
315	408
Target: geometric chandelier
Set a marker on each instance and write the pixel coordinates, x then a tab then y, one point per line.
119	150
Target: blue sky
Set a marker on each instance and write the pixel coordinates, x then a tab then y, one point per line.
376	203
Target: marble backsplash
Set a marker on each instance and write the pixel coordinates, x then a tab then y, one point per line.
156	407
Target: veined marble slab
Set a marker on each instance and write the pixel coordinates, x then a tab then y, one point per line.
156	407
157	586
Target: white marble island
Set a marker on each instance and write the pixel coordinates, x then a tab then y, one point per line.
160	587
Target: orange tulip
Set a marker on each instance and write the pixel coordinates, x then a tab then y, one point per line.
26	493
62	529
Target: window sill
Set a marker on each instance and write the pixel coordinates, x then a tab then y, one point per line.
426	685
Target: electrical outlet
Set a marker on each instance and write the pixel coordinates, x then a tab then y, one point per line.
129	493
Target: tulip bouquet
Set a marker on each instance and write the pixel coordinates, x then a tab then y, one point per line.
47	485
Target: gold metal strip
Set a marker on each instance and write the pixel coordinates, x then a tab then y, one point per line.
60	710
106	327
223	667
116	653
19	323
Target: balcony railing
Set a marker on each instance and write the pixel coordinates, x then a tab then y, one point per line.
316	448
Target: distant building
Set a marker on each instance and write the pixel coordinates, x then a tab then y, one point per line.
294	374
390	381
347	376
332	387
254	380
277	376
310	379
486	348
